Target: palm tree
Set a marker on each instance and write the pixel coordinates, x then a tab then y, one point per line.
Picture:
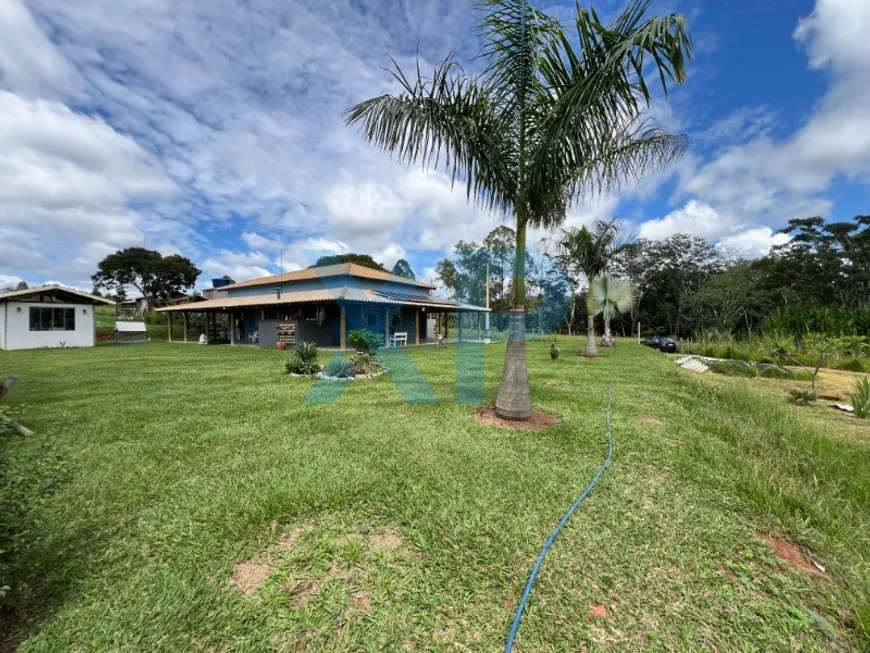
590	252
612	297
544	125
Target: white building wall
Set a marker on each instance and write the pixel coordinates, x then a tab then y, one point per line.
19	335
3	326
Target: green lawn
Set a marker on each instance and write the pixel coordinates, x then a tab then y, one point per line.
380	525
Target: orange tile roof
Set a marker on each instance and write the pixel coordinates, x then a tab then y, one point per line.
350	269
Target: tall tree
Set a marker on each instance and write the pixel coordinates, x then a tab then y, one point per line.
152	274
666	274
590	252
826	263
465	274
360	259
500	243
403	269
543	126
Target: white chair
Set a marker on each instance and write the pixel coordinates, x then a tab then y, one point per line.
400	338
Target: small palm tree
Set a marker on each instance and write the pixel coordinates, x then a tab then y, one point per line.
612	296
590	252
551	119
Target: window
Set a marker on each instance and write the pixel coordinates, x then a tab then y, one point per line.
399	319
370	316
46	318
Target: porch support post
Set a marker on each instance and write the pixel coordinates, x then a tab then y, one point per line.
342	327
387	326
184	325
169	330
232	327
417	326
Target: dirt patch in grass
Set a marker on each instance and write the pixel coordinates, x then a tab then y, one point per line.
650	420
486	415
385	541
598	611
361	600
790	553
248	577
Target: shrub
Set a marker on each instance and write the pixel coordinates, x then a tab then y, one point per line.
304	359
733	368
855	365
364	363
307	351
296	365
861	398
339	367
365	340
802	397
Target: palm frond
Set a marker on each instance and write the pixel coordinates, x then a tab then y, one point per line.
451	115
593	135
612	295
589	251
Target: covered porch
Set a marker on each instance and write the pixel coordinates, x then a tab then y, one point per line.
325	319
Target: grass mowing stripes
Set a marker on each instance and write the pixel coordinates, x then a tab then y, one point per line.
186	461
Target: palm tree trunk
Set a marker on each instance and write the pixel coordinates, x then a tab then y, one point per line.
608	334
591	348
514	400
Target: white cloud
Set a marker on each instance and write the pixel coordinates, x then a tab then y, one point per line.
835	35
767	180
9	281
753	242
389	255
695	217
256	241
67	182
362	209
29	63
214	268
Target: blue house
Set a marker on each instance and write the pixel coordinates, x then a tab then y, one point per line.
322	305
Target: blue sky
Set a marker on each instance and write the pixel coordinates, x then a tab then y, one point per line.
214	129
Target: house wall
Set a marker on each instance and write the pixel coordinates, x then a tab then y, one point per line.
19	335
3	307
328	334
361	316
322	335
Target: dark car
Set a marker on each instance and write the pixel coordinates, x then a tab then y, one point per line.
667	345
660	343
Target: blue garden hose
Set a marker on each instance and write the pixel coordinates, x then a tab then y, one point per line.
509	646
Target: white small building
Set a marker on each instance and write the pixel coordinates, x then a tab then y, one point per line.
48	316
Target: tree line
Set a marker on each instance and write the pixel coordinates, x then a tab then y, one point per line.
682	284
